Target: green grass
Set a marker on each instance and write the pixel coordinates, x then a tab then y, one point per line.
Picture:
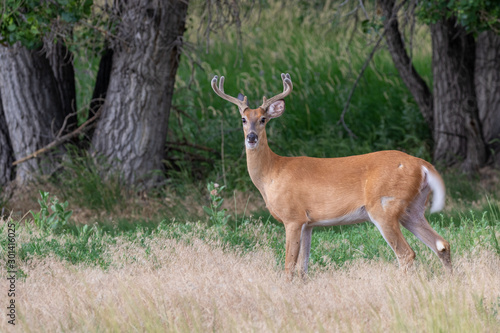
467	232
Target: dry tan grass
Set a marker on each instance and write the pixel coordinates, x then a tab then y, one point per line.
200	287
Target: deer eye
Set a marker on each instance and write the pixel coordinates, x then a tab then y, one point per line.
262	120
244	120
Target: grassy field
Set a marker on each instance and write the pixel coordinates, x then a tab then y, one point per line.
93	256
185	277
200	287
226	274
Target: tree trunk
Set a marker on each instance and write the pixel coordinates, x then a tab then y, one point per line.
101	88
61	61
403	64
487	81
457	130
6	158
133	126
453	112
102	81
31	104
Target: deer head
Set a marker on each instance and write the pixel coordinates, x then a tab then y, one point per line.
255	120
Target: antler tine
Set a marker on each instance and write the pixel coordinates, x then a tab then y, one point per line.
287	89
221	84
241	104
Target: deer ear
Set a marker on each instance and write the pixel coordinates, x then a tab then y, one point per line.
276	109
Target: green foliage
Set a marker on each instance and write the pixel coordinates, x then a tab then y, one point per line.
86	65
493	224
28	21
53	216
51	233
474	228
216	215
473	15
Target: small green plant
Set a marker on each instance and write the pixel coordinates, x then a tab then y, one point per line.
84	232
53	215
217	215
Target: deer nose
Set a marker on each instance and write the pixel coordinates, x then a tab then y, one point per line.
252	138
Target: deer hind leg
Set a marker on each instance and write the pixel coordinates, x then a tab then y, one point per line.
293	231
386	220
420	227
305	249
415	221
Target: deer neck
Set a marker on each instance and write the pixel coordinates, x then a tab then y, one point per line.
260	163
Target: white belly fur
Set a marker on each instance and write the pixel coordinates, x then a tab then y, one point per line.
357	216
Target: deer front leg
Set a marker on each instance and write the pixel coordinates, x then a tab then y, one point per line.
389	228
305	249
293	231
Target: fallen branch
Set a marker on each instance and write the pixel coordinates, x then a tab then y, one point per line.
59	140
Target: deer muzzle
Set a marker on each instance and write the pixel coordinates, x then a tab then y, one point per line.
251	141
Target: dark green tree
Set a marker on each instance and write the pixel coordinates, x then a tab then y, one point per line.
462	107
6	156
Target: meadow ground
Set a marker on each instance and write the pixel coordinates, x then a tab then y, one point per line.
197	286
180	276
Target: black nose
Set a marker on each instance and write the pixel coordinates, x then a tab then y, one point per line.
252	138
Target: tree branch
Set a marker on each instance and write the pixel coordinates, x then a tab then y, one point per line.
403	63
59	140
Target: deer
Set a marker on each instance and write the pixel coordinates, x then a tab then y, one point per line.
388	188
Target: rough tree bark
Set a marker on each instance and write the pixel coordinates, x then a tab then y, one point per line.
6	158
452	107
487	82
100	89
31	104
457	130
61	61
133	126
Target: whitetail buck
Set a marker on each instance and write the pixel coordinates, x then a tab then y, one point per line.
386	188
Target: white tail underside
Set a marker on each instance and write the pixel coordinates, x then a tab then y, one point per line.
438	191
